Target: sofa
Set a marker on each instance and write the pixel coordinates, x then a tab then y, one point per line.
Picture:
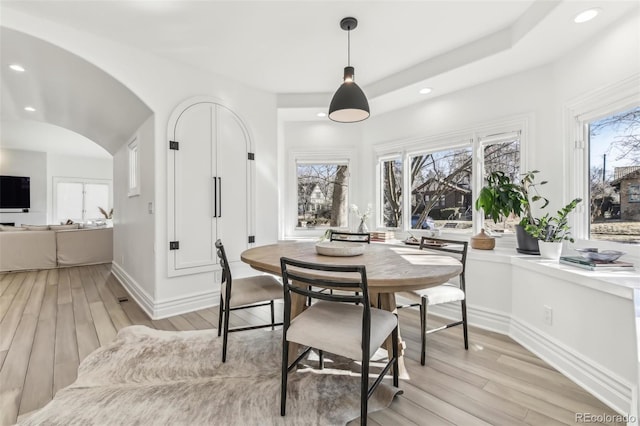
53	246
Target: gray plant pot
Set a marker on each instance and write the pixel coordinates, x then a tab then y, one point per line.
525	243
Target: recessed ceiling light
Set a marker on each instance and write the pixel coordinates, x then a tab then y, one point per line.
29	108
425	90
321	114
587	15
17	67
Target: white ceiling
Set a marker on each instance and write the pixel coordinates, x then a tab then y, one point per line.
297	50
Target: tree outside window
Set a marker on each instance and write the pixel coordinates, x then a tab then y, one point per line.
614	177
391	176
322	195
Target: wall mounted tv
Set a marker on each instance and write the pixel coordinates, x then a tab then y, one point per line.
15	192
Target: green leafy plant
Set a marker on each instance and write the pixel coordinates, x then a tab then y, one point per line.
501	197
553	228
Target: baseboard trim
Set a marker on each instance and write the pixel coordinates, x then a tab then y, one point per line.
486	319
142	298
608	387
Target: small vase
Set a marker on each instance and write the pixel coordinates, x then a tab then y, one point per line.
550	249
362	229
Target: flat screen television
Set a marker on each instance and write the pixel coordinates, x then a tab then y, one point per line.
15	192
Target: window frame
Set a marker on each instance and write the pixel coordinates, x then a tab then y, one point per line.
291	201
83	181
476	137
577	116
133	150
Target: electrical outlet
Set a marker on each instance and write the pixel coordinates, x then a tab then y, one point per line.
548	315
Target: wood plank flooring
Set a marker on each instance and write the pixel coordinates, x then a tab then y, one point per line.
50	320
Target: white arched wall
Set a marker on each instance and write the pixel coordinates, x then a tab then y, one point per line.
161	85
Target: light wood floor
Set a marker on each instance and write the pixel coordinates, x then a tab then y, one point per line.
50	320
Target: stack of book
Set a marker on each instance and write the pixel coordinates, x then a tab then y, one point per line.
382	236
595	265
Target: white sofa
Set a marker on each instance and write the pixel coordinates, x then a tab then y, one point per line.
46	249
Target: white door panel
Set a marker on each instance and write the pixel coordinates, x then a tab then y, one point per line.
194	226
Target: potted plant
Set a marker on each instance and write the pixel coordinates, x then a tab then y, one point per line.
551	231
501	197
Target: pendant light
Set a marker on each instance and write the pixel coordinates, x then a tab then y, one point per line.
349	103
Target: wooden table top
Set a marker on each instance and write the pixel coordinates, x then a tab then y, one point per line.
389	268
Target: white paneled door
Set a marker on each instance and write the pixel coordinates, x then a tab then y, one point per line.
208	187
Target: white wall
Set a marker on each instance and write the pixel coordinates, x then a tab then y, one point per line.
134	223
15	162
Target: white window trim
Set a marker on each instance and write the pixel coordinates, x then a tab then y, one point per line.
134	169
62	179
577	114
523	124
331	156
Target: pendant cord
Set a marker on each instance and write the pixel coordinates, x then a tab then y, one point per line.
349	47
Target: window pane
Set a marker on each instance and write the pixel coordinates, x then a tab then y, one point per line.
96	195
322	195
614	164
441	190
391	174
503	156
69	201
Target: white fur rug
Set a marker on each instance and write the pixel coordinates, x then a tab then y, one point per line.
154	377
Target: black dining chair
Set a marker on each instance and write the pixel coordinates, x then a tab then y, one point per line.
243	293
330	325
444	293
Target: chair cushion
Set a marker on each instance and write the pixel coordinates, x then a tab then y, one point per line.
259	288
443	293
337	328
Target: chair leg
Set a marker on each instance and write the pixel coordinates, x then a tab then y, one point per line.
394	342
285	371
423	331
220	310
321	359
364	388
464	324
225	333
273	317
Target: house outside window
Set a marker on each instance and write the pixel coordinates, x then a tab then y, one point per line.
323	190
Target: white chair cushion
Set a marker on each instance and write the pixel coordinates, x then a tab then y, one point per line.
337	328
443	293
249	290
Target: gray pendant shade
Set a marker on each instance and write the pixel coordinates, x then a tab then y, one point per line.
349	103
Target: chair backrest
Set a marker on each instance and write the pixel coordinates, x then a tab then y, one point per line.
350	237
224	264
311	278
457	248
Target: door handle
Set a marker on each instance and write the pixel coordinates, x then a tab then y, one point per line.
219	197
214	197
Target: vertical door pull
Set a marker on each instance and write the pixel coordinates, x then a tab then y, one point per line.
219	197
215	197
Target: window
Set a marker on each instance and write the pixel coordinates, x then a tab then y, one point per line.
501	152
323	190
81	199
614	176
391	193
134	168
441	189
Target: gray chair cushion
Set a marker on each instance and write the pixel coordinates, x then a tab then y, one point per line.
337	328
259	288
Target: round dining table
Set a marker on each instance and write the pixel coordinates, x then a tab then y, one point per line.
390	269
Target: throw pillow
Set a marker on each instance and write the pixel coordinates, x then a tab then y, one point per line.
63	227
5	228
36	227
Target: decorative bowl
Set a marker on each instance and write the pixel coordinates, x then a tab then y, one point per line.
603	256
339	248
